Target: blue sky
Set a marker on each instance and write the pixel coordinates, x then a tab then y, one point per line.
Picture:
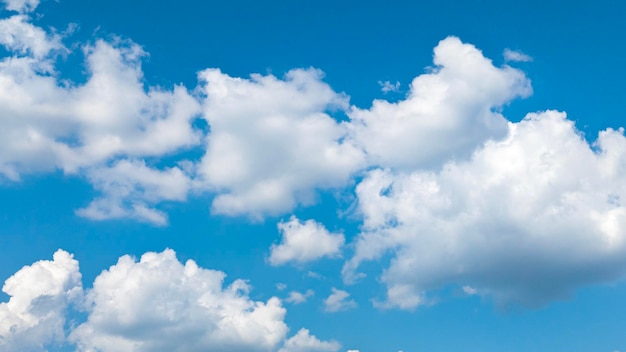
426	176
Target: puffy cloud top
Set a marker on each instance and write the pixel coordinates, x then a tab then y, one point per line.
446	115
35	314
272	141
305	242
528	219
154	304
159	304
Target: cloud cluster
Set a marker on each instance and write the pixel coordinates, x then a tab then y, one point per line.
270	144
91	128
154	304
527	219
448	188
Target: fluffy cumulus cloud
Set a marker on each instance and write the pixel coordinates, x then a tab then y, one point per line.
528	218
449	189
49	125
448	112
154	304
160	304
272	141
39	294
303	341
303	242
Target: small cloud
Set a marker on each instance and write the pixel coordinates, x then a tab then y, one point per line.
281	286
304	242
303	341
296	297
515	56
387	86
338	301
314	275
469	290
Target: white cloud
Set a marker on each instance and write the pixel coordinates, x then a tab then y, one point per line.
34	316
21	6
303	242
447	114
527	219
303	341
20	36
386	86
338	301
154	304
516	56
469	290
296	297
131	189
314	275
272	142
159	304
47	124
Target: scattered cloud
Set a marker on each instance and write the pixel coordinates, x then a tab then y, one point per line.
447	186
303	341
339	301
516	56
296	297
304	242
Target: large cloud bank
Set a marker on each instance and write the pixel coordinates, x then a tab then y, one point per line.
527	219
447	188
154	304
271	142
